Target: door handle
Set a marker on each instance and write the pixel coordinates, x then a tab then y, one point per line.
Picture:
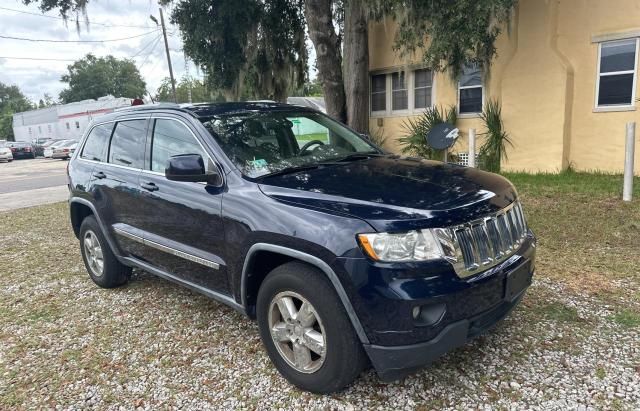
149	186
99	175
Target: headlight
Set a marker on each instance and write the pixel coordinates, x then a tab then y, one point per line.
420	245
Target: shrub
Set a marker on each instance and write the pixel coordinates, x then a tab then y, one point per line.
494	149
414	142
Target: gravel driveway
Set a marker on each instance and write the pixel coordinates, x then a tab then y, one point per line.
64	343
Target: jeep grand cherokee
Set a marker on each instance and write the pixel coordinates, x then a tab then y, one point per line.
345	255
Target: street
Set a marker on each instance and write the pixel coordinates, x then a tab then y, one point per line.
26	183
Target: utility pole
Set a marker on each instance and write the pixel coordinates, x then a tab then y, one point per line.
166	48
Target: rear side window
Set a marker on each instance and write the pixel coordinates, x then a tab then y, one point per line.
171	138
127	143
96	146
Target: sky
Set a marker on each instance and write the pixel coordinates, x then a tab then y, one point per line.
35	78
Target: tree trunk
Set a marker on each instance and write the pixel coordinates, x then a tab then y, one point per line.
356	64
328	56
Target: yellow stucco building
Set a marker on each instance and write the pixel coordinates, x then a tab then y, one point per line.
566	75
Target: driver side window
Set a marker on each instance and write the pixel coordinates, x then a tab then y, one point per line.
171	138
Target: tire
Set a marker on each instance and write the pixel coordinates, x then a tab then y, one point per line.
103	267
344	357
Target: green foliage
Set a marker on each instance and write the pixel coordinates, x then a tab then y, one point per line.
199	92
93	77
414	141
247	48
46	101
494	149
11	101
460	32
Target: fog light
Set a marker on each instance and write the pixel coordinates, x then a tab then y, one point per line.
427	315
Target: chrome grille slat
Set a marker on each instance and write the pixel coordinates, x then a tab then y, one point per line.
484	243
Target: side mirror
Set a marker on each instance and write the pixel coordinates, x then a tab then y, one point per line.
190	167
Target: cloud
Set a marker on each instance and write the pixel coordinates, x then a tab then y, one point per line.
38	77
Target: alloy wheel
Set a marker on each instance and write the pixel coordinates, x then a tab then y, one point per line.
297	332
93	253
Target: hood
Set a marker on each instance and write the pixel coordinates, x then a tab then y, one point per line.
395	193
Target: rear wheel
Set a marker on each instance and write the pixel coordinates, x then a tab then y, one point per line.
102	265
306	330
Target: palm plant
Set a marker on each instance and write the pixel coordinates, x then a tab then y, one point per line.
494	149
414	141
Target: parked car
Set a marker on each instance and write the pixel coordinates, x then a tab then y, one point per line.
48	150
39	145
21	149
344	254
64	151
5	153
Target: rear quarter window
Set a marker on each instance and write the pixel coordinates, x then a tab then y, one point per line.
127	143
96	146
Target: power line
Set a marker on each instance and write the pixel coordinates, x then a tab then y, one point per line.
145	47
65	20
76	41
33	58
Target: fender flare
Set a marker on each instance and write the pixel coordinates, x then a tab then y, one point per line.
105	232
314	261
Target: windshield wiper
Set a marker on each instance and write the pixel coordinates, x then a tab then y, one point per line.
290	169
358	156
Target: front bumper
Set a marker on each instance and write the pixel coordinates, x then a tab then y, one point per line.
458	309
6	157
395	362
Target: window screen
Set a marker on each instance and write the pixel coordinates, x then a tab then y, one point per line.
96	146
617	72
399	92
127	143
470	91
379	92
423	84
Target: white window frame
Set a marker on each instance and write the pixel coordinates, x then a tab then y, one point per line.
469	115
410	87
616	107
406	88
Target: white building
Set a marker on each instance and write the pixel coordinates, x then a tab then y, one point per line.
65	121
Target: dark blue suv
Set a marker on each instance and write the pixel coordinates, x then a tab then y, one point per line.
345	255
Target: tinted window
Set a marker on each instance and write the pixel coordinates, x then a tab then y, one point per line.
96	146
127	143
171	138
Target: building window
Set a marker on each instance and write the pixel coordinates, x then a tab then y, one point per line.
39	129
617	64
77	124
423	84
379	92
399	92
68	128
29	130
49	128
470	91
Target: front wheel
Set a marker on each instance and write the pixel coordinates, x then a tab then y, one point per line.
306	331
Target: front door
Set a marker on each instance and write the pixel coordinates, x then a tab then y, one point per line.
181	221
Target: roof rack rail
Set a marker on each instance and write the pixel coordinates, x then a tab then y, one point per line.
148	107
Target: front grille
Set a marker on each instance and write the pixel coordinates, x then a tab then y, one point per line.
483	243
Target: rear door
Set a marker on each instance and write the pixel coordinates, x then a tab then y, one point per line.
115	182
182	221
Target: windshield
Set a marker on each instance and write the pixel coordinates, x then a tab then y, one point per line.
270	142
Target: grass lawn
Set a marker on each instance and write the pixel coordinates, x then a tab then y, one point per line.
573	342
